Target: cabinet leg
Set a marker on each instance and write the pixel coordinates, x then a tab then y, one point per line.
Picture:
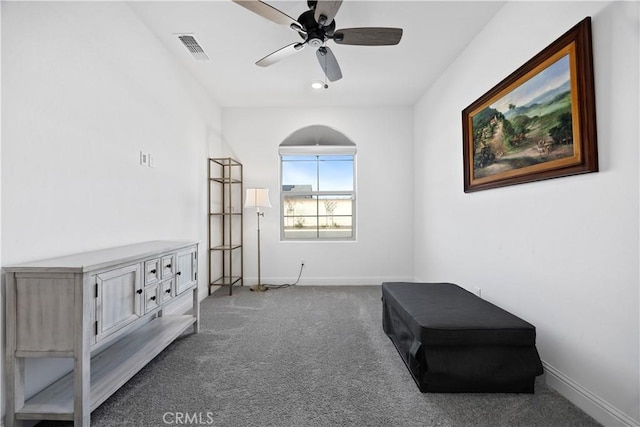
82	354
14	367
196	311
15	390
82	401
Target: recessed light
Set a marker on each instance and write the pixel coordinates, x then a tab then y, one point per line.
317	84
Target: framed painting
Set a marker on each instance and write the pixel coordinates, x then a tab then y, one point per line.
539	122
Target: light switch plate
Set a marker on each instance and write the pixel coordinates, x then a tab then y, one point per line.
152	161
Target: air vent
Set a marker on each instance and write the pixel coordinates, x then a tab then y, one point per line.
192	45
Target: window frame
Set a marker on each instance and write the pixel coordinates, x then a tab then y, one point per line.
318	150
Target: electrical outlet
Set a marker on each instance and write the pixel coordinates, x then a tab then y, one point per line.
144	158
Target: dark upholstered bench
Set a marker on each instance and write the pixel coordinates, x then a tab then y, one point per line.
453	341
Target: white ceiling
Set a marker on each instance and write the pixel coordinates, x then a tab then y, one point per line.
234	38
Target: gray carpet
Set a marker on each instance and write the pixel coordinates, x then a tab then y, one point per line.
306	356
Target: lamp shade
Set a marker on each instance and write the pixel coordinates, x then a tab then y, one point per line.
257	198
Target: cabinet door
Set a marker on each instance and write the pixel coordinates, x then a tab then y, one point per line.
187	270
118	299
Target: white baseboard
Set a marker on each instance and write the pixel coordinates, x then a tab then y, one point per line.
598	408
332	281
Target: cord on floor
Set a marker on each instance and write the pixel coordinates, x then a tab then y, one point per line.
287	285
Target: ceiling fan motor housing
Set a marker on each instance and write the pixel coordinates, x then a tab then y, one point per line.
316	34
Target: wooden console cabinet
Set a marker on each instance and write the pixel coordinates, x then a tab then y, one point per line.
104	309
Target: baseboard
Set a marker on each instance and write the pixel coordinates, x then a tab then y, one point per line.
598	408
332	281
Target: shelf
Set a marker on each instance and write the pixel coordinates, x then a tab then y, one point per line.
226	180
110	369
226	192
226	247
226	161
226	281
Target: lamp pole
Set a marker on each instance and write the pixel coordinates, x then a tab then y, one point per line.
257	198
259	287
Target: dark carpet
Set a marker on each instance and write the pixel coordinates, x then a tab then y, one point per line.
305	356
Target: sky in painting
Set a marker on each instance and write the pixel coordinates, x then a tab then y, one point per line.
550	78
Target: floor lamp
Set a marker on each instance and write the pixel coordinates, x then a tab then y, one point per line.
258	198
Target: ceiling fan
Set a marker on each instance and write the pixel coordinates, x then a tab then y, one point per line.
316	26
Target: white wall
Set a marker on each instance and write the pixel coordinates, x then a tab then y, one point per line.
384	245
563	254
85	86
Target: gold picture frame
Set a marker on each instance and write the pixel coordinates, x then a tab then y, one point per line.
539	122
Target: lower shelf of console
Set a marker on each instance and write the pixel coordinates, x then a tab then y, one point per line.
110	369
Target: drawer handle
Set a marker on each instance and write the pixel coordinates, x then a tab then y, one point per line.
178	273
153	298
168	291
153	271
167	266
139	291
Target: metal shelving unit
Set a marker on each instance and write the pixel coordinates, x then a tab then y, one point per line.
226	258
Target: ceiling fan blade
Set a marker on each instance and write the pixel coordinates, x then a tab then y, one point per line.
329	63
280	54
370	36
269	12
326	11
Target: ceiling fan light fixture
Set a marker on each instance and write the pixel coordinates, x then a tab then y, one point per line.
315	42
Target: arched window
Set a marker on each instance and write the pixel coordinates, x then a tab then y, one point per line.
318	185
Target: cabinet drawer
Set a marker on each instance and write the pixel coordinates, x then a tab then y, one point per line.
151	271
168	266
166	291
151	298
